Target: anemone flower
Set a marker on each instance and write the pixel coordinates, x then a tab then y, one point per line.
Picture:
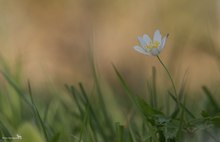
149	46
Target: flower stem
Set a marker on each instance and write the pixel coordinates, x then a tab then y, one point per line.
171	79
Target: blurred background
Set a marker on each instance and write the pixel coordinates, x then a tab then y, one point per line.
50	40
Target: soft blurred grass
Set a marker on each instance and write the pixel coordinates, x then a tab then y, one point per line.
76	114
133	103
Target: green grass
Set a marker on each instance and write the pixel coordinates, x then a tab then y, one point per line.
77	115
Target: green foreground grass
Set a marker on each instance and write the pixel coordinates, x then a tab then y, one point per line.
96	116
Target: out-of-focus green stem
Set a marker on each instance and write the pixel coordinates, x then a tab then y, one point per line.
171	79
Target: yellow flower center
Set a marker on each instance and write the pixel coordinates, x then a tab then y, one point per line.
153	45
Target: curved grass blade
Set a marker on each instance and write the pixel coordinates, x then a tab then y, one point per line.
37	114
145	109
210	97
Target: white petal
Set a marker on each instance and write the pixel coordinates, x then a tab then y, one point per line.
141	50
146	39
157	36
163	42
155	51
142	41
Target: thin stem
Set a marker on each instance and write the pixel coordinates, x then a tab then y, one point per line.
171	79
177	99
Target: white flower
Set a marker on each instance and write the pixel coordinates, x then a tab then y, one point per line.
151	47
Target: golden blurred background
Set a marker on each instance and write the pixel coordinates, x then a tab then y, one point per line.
51	39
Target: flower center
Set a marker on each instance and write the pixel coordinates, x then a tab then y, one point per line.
153	45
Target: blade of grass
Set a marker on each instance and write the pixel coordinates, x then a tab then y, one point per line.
37	114
186	109
146	110
99	92
154	89
81	100
132	135
19	91
85	120
180	129
119	132
77	99
94	118
210	97
183	85
4	130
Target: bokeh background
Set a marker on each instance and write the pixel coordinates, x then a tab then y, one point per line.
50	40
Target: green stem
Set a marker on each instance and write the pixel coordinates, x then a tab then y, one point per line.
177	99
171	79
